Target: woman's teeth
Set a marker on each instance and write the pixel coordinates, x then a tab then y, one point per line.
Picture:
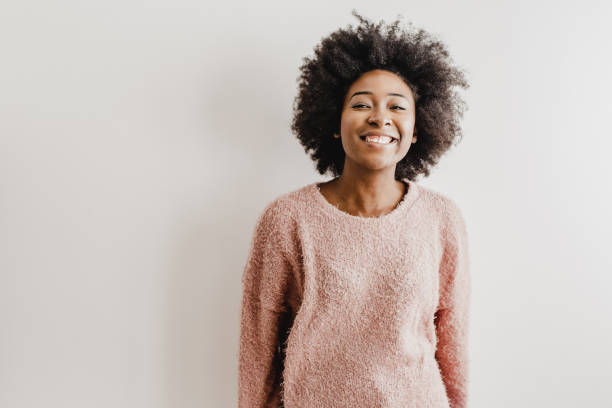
379	139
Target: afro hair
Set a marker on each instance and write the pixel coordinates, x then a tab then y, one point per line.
416	56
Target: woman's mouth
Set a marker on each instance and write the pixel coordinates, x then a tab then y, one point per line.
379	140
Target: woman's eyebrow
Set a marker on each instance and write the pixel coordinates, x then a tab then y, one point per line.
370	93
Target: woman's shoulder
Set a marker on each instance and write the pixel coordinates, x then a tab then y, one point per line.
440	204
288	203
280	213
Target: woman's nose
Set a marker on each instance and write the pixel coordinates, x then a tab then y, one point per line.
379	118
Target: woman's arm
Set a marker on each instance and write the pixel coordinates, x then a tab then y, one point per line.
452	315
264	318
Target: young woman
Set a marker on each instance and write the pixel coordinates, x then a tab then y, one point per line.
356	290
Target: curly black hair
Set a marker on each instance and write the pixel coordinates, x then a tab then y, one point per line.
416	56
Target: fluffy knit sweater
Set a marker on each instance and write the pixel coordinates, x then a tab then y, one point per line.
348	311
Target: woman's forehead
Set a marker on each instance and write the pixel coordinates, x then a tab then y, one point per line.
379	83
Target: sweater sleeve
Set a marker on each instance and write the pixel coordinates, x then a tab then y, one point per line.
265	317
452	314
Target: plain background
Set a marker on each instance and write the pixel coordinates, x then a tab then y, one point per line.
141	140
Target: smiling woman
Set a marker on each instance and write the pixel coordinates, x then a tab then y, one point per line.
328	81
379	112
356	290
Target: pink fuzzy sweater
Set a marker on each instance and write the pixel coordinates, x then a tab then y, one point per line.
346	311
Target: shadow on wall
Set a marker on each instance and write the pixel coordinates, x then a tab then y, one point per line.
203	274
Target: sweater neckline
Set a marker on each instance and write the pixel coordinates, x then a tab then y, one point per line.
402	207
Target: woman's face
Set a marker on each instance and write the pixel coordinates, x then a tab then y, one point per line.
377	103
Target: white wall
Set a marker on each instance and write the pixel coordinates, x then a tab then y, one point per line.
139	141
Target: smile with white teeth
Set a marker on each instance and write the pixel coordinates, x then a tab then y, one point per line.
379	139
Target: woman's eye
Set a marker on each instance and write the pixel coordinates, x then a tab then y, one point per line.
394	107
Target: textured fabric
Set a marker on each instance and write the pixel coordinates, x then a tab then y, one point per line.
346	311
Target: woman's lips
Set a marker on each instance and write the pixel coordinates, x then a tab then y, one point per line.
374	143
